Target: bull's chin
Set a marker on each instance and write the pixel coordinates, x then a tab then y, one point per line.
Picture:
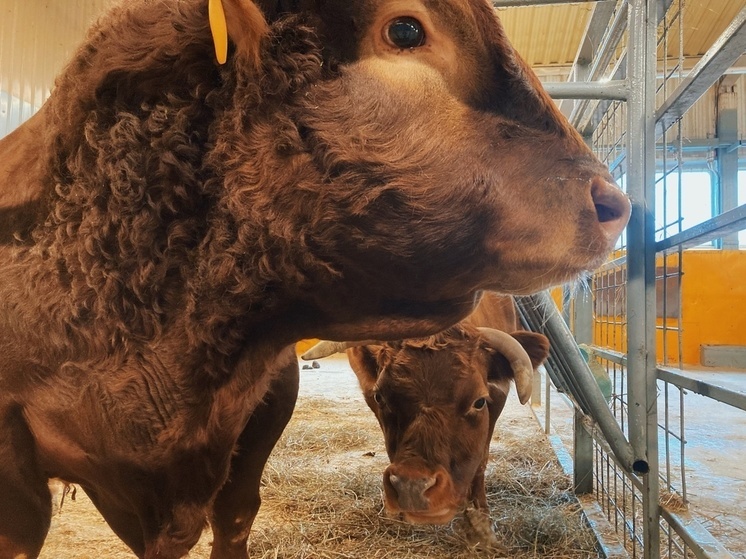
523	288
442	516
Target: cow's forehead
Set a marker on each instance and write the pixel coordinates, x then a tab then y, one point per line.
447	373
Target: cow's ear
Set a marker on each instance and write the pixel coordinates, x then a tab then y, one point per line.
500	370
499	366
365	365
536	345
241	21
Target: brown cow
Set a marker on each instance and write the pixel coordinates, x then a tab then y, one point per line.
437	400
171	225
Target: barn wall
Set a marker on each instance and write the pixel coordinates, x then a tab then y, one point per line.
37	37
712	288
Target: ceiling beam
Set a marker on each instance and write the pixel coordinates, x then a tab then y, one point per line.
587	120
724	52
601	58
594	31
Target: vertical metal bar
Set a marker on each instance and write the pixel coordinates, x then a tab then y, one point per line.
582	316
726	157
582	321
582	456
664	227
536	389
633	535
682	441
624	393
667	433
642	411
680	318
547	404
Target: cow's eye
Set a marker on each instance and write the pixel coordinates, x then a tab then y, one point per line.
378	398
480	403
406	33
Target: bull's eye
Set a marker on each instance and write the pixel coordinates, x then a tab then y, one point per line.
378	398
480	403
406	33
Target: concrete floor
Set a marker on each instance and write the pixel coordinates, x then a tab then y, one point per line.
714	452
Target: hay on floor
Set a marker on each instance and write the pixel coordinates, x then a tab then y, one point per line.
322	496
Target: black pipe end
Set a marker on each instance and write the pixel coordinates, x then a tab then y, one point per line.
641	466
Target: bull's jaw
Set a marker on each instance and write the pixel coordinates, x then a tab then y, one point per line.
388	319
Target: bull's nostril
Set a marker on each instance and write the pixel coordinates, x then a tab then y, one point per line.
409	491
612	206
606	213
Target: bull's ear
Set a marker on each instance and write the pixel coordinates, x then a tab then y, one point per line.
241	21
536	345
365	366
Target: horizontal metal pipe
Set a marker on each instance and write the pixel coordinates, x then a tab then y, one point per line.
615	89
723	53
719	226
603	56
696	537
709	390
682	380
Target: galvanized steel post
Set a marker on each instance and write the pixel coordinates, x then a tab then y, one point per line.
641	307
581	319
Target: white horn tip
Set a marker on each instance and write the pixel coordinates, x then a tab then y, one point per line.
523	382
321	350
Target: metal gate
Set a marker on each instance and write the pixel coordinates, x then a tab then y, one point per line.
630	385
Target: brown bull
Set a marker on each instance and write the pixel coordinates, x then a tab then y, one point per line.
437	400
170	225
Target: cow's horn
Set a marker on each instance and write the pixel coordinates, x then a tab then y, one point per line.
520	362
326	348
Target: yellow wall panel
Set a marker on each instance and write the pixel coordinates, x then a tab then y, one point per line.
713	308
714	300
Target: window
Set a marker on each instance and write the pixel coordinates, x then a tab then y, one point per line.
694	207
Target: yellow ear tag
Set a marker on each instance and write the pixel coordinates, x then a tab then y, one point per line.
219	28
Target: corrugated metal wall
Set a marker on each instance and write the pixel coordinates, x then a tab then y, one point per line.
36	39
699	122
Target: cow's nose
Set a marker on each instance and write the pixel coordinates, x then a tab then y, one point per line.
612	207
411	490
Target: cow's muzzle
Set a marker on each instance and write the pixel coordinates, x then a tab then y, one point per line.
420	495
